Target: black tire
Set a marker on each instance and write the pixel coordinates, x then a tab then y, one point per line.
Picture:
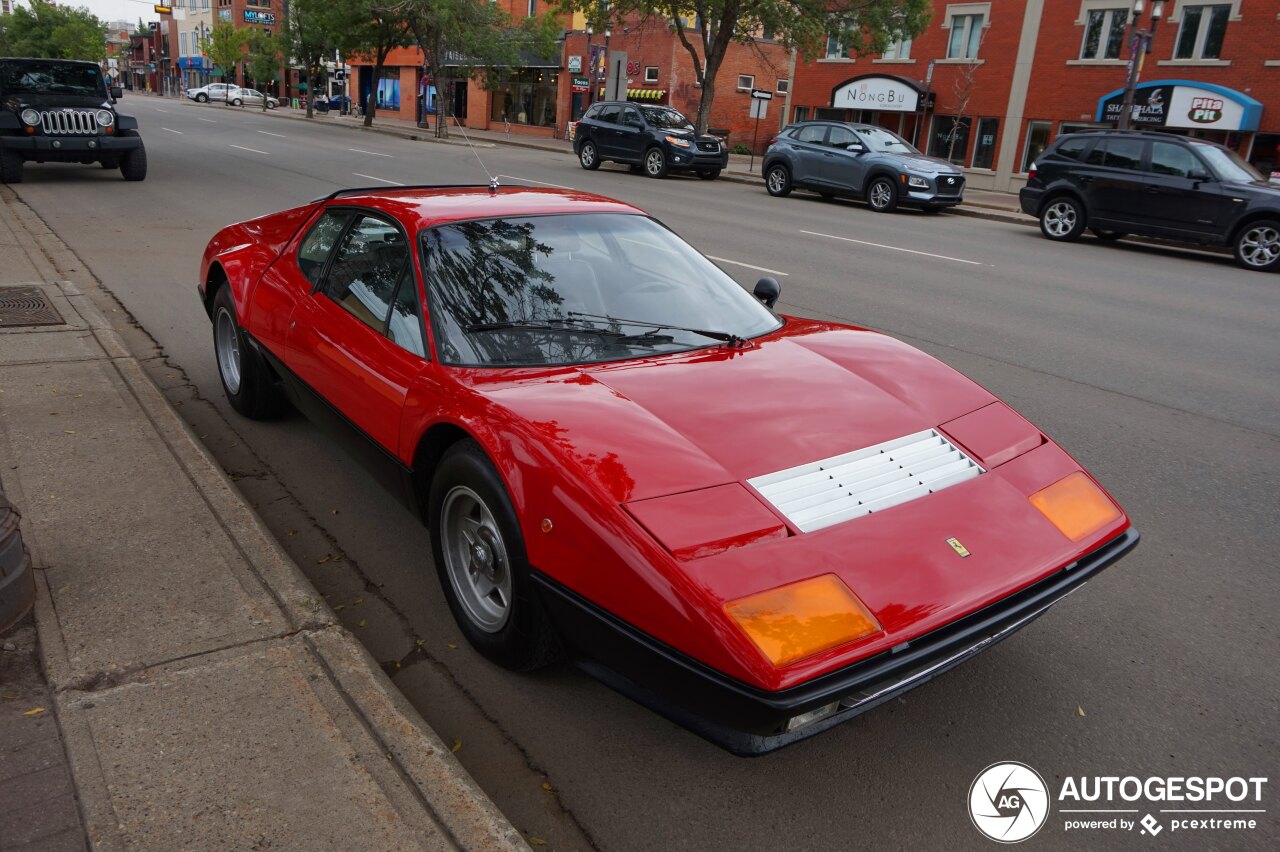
202	98
882	195
655	163
522	637
709	174
256	394
777	180
1107	236
10	167
589	155
1257	245
133	164
1062	219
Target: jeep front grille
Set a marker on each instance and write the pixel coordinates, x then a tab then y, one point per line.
65	122
827	492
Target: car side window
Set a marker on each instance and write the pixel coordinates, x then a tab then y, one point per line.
318	244
366	269
1117	153
839	137
1072	148
594	112
812	133
404	327
1168	158
609	114
631	115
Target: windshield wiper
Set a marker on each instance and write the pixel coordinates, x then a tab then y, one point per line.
733	340
572	327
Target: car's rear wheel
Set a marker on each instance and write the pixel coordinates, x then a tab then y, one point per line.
655	163
882	195
236	102
777	180
709	174
480	558
245	378
202	98
1258	245
1107	236
588	156
10	167
1062	219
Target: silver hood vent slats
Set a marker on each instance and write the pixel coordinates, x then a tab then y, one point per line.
822	493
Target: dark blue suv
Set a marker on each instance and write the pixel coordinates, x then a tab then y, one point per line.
658	139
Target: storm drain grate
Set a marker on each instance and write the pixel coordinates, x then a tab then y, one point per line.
26	306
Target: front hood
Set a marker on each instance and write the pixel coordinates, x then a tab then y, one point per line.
925	164
1266	189
667	425
55	101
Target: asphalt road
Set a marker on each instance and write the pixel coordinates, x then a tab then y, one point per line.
1156	367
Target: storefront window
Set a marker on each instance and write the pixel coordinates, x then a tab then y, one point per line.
984	149
388	94
526	96
1037	141
950	138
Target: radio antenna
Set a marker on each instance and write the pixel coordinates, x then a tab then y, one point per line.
493	179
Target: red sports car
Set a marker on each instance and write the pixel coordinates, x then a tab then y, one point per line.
757	525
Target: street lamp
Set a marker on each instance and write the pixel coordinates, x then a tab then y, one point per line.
1139	47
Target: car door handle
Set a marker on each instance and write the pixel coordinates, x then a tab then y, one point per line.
1086	179
1152	190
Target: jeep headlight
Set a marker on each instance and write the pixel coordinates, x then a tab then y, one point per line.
31	117
106	117
678	142
917	182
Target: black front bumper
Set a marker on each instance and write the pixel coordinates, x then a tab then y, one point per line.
69	148
750	721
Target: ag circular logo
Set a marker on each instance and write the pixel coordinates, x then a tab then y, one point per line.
1008	802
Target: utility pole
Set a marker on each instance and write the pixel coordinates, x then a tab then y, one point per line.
1139	47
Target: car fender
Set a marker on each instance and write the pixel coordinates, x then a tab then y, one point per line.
1059	188
242	252
126	122
879	170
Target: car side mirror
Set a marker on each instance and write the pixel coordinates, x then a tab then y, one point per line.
1199	175
855	148
767	291
116	93
631	122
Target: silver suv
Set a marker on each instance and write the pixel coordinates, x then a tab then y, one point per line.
861	161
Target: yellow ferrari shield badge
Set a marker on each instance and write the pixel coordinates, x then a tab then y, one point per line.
959	548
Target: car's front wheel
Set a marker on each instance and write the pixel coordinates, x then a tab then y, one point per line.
588	156
202	98
133	164
480	558
245	379
655	163
1062	219
1258	245
882	195
777	180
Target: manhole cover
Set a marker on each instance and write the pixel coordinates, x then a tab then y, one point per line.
26	306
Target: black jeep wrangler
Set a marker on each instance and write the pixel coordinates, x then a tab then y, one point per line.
61	111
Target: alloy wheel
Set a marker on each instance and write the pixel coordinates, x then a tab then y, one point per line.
476	559
1060	219
227	343
1260	246
880	196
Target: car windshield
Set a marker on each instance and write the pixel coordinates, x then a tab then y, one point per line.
1228	164
885	141
666	118
576	289
57	77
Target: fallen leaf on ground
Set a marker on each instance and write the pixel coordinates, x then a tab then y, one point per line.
362	623
357	602
338	608
546	785
326	558
1079	711
537	841
38	710
457	744
451	646
68	431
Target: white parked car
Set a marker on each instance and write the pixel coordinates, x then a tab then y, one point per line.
251	97
211	92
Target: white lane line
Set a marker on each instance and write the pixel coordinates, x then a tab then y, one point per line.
371	153
539	182
895	248
380	180
747	265
254	150
165	111
210	120
269	133
171	130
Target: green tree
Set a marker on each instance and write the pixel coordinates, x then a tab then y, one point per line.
310	39
369	29
460	39
263	61
706	28
225	47
52	32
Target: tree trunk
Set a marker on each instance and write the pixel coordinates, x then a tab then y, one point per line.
371	103
708	94
306	92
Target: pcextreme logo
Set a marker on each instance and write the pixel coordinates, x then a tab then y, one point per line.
1008	802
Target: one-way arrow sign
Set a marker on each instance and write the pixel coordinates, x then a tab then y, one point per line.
762	94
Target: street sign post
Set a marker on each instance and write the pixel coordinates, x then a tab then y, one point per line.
759	109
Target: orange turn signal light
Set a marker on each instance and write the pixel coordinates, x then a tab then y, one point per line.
1075	505
801	619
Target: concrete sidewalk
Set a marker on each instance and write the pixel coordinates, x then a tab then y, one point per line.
205	695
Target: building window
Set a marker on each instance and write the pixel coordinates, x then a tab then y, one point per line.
746	82
1104	33
1203	28
836	49
900	49
984	147
966	36
800	114
1037	141
651	73
526	96
950	138
783	86
533	8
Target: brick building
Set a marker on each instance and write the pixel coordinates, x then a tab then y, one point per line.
990	85
542	95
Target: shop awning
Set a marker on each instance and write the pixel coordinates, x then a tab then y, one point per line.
646	94
1184	104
